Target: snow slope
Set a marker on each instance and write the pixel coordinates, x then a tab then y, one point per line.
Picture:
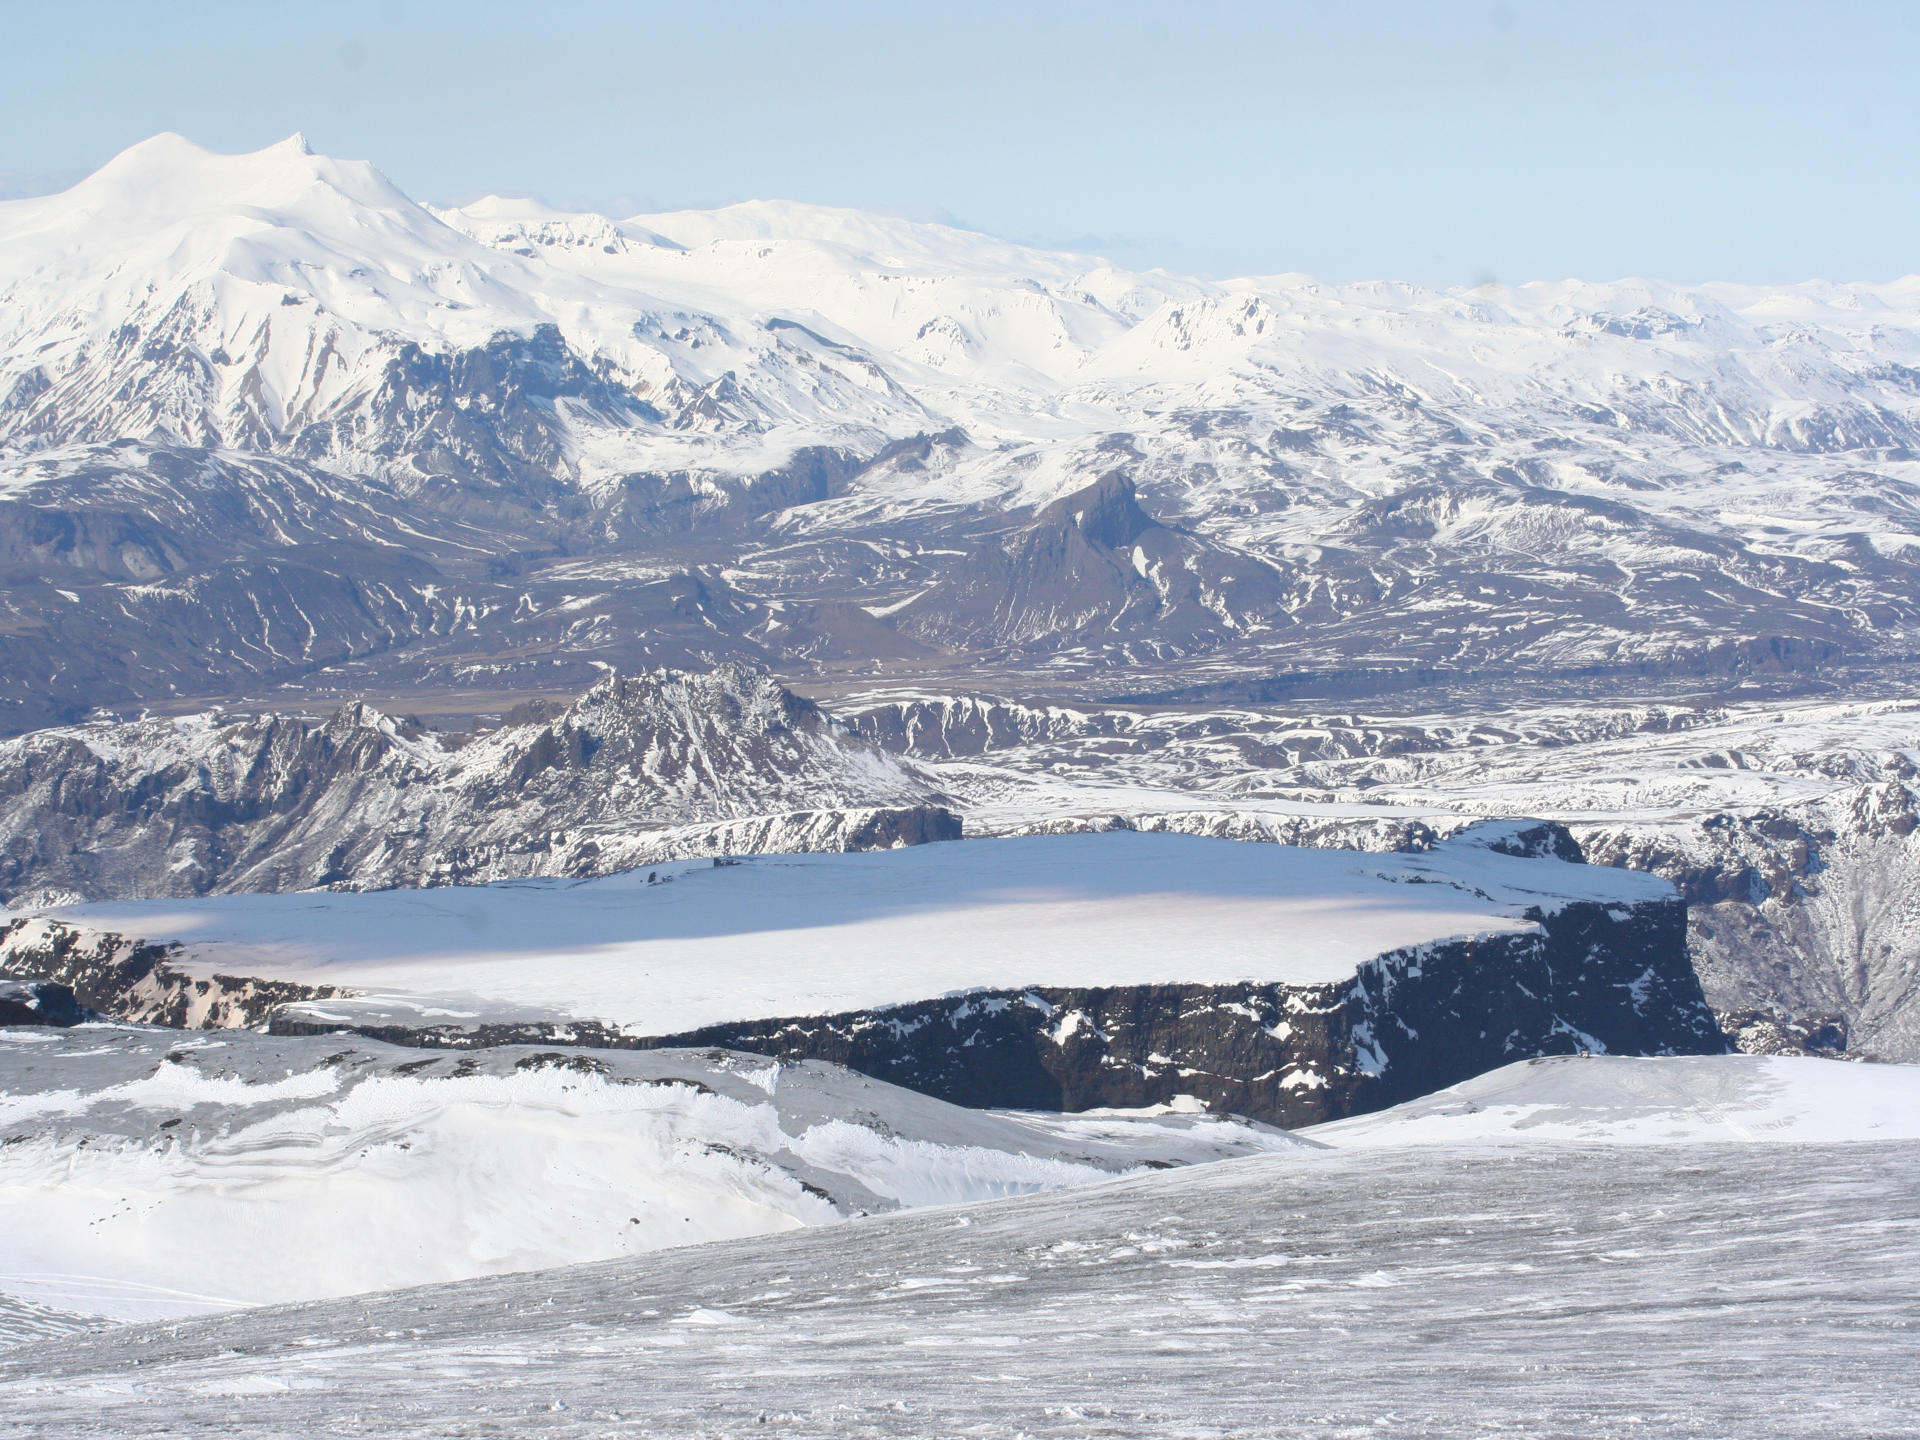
144	1173
817	934
1653	1101
1570	1291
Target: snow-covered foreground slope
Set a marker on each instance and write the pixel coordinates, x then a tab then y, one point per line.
1653	1101
669	950
1712	1290
144	1173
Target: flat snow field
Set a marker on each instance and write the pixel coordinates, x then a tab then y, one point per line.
817	934
1557	1290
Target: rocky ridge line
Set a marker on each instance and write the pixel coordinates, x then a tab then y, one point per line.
640	769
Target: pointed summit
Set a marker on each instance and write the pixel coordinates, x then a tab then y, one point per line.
168	177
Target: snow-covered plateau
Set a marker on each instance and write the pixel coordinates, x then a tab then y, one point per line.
692	944
1058	971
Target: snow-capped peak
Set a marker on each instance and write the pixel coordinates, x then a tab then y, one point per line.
169	181
284	225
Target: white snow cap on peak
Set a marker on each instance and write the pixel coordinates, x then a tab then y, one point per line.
169	155
167	214
168	180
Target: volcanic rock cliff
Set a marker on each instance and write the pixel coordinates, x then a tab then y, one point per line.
1594	966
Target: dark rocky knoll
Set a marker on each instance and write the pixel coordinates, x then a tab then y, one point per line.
1094	569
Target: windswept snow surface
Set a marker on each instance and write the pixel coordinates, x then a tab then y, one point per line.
147	1173
819	934
1652	1101
1569	1290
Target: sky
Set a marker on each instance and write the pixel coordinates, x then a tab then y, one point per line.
1441	143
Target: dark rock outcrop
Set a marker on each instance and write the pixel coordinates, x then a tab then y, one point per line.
1591	978
40	1003
1093	568
77	974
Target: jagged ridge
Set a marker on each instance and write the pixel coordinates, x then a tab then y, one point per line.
639	768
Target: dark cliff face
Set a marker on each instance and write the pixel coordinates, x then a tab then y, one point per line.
1800	916
39	1003
1593	978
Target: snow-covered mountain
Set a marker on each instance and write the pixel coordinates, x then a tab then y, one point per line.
479	449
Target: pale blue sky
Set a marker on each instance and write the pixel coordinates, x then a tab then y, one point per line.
1442	143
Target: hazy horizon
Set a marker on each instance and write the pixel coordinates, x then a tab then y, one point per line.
1443	144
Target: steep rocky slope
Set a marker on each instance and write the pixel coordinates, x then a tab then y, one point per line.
640	767
1593	979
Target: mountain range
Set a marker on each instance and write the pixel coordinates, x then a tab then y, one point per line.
271	429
